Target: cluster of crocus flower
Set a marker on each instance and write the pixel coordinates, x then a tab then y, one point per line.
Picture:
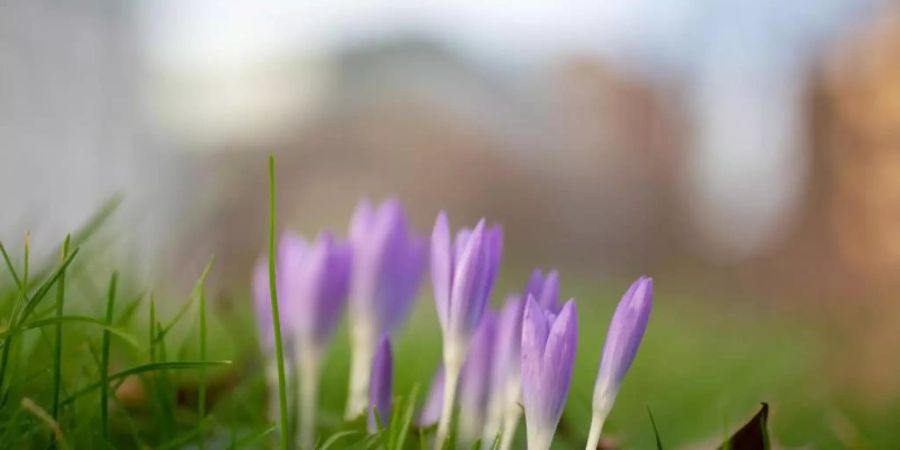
495	363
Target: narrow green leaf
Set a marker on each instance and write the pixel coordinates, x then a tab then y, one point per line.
9	265
201	392
150	367
104	359
57	349
407	417
41	292
186	306
276	321
190	435
336	437
247	441
131	340
659	445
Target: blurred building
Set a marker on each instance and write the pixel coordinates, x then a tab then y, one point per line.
854	220
576	162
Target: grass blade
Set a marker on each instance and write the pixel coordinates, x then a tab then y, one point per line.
9	265
246	441
131	340
201	392
407	418
41	292
186	306
57	349
104	359
659	445
336	437
143	368
276	321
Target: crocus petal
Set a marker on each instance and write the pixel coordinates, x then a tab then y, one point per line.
441	267
534	338
466	306
475	380
380	386
290	261
548	356
362	219
507	353
626	330
550	292
323	284
535	284
559	359
431	410
262	302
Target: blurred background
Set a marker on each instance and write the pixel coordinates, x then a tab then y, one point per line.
744	153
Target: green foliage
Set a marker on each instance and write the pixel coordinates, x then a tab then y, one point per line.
78	371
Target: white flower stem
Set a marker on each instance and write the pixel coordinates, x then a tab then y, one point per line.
452	365
510	423
360	368
494	420
310	362
539	439
597	420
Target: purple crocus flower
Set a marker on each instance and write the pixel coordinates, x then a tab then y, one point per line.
463	273
503	405
431	410
380	386
548	354
312	283
475	380
545	289
388	264
626	330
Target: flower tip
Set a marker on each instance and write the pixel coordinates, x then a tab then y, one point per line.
480	226
642	292
569	307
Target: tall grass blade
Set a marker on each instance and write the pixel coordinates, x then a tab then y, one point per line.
57	349
276	321
201	393
186	306
104	359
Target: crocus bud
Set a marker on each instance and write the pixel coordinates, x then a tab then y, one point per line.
388	264
503	405
544	289
548	355
380	386
622	340
463	275
475	381
431	410
313	281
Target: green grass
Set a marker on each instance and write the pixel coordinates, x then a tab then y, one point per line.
75	374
